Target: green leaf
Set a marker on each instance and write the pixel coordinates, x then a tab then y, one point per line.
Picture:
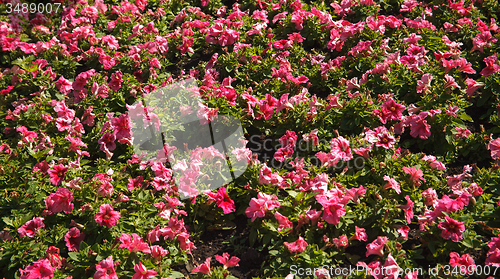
74	256
292	193
84	247
60	96
273	252
253	236
8	221
266	239
449	138
467	243
484	97
465	117
432	247
176	274
300	196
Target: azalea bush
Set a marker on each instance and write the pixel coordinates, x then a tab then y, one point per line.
372	138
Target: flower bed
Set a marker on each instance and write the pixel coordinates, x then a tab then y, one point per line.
371	139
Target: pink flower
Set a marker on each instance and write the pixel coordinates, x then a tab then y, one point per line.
340	148
41	269
430	196
203	268
73	238
65	86
206	114
385	140
157	252
393	110
373	269
494	147
121	126
327	159
322	273
412	275
462	133
475	190
360	234
450	82
493	257
419	127
267	106
185	243
296	37
284	223
424	84
408	5
408	208
107	142
133	243
75	144
107	216
135	183
341	242
267	177
391	268
286	150
57	174
465	262
229	37
483	39
298	246
31	227
403	231
186	46
53	256
106	189
5	148
491	66
226	261
472	86
377	246
141	272
116	80
353	194
259	207
166	153
392	184
415	175
110	41
434	163
242	154
155	63
448	205
333	209
60	201
107	61
312	136
452	110
452	229
106	269
222	200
